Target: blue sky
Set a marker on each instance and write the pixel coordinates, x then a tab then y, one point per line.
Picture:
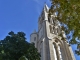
20	15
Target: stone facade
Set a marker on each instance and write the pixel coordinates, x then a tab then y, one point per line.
47	41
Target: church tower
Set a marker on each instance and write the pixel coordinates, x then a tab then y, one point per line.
47	39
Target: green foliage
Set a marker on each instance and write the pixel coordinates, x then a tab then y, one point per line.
14	46
68	13
23	58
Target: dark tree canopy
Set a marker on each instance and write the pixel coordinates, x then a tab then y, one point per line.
68	13
14	47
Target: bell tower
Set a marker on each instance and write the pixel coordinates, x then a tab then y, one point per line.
47	40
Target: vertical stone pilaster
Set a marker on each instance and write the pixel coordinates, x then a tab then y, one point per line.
51	50
71	52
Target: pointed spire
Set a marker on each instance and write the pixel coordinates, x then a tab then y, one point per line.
46	8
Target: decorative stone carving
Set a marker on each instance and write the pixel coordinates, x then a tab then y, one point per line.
52	29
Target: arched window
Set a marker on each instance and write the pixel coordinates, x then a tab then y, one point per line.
49	19
59	30
60	52
55	31
54	51
51	28
34	38
53	21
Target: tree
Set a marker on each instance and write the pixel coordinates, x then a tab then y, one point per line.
68	14
14	47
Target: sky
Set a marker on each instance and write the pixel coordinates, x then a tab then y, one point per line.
21	15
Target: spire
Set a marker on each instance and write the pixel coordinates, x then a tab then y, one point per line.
46	8
44	13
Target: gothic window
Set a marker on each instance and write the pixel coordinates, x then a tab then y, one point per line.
34	38
56	22
53	21
59	29
60	53
49	19
52	28
55	31
54	51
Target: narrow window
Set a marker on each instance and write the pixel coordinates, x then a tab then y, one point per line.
55	31
59	30
60	53
49	19
53	22
34	38
52	28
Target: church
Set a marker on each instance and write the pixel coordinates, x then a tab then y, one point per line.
47	40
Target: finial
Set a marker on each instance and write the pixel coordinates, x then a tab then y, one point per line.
45	6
